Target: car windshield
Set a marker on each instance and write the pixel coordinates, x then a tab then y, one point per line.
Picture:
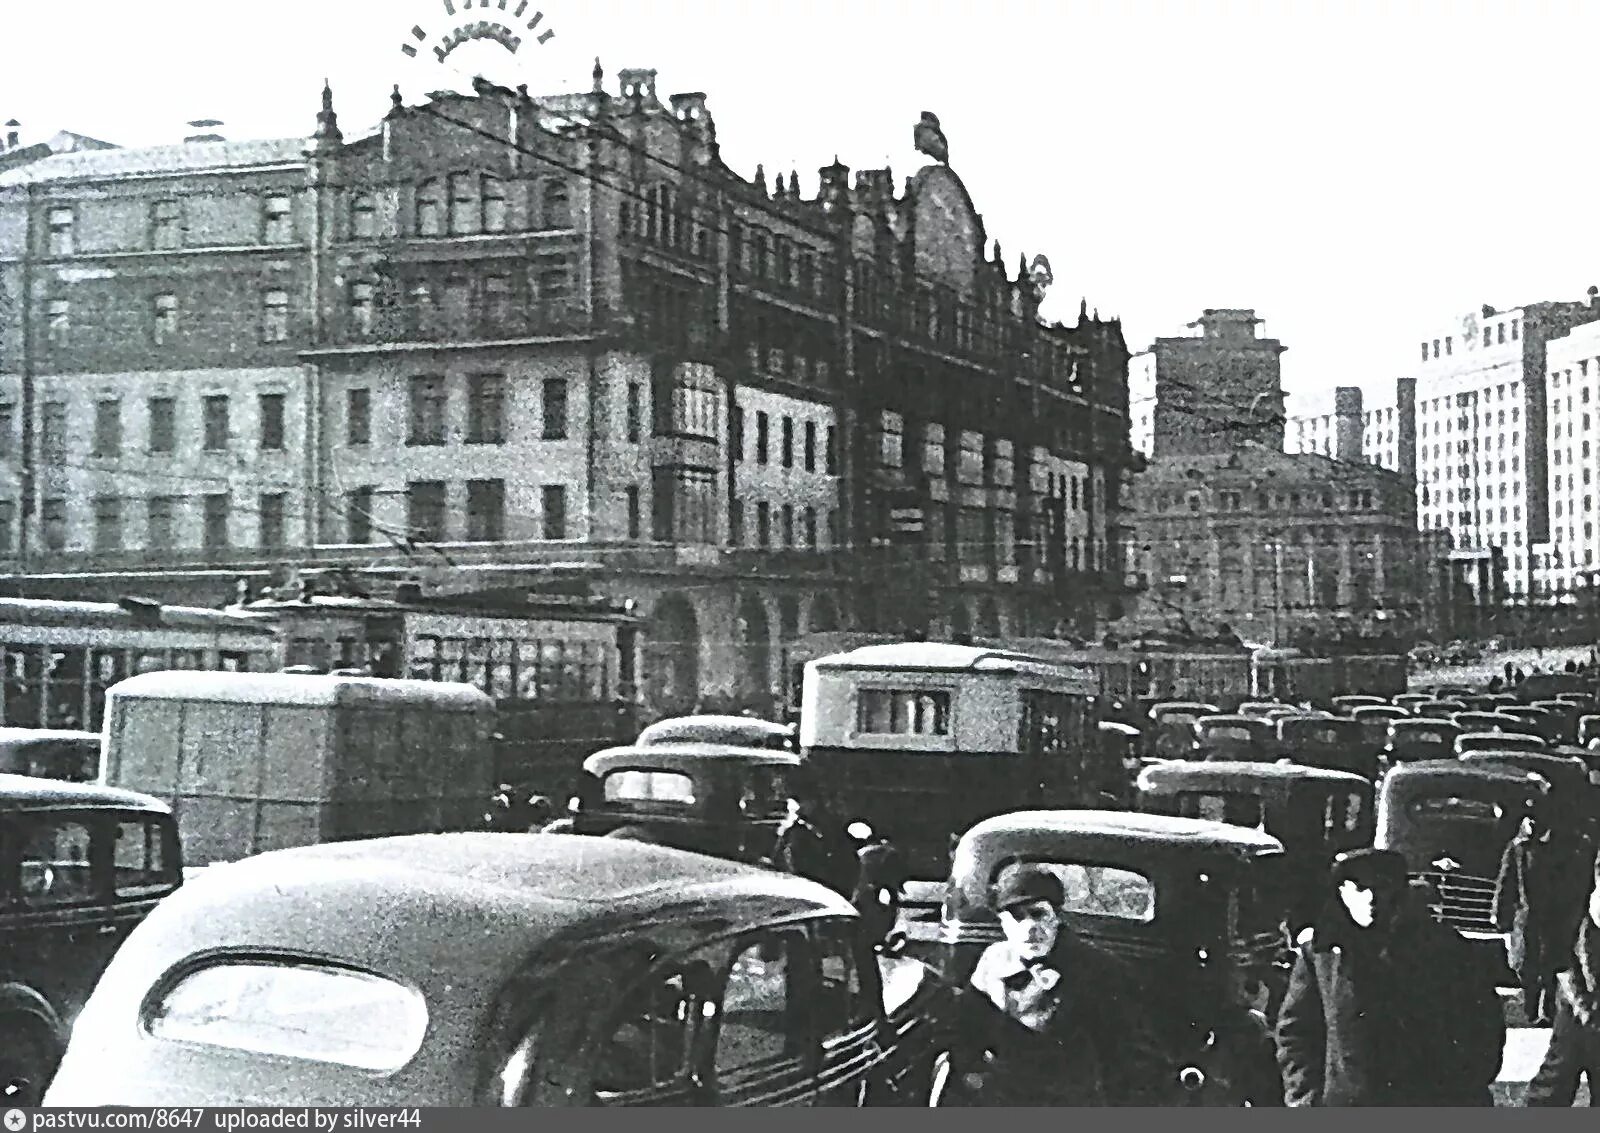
1453	808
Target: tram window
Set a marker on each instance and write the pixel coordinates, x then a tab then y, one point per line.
903	712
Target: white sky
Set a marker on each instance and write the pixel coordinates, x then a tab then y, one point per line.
1359	172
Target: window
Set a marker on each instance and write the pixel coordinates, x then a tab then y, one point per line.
736	523
763	431
758	1017
358	417
425	510
554	278
635	411
499	304
270	407
272	505
430	212
553	499
842	1003
832	453
361	308
427	411
166	225
60	236
108	428
277	220
8	526
54	863
556	204
275	316
494	204
465	217
158	513
969	458
108	524
363	216
141	860
788	525
788	442
53	432
555	409
891	440
486	511
215	533
811	446
639	786
486	409
763	524
633	511
918	712
358	515
811	526
215	417
53	520
164	319
294	1010
652	1043
736	432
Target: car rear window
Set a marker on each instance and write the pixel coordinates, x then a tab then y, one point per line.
1243	735
639	786
1453	808
294	1010
1104	890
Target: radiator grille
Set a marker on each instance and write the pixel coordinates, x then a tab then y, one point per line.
1466	901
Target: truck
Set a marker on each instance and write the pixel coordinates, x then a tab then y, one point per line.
251	762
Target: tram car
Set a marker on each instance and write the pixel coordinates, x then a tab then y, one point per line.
561	668
59	658
920	740
1289	675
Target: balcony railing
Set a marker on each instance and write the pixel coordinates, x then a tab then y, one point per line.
414	320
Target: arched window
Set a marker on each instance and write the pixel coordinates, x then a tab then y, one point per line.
557	199
363	216
494	204
465	217
430	211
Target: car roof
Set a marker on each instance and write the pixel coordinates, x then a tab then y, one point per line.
53	735
933	656
301	690
685	754
1454	769
744	723
29	792
1123	826
1224	769
1420	723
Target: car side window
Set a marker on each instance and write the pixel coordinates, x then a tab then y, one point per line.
842	1002
650	1045
54	863
140	858
761	1016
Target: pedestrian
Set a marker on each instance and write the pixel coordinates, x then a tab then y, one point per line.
1054	1019
1574	1048
1538	901
1385	1006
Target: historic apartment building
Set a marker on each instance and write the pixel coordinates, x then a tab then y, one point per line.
503	332
1483	454
1568	568
1229	530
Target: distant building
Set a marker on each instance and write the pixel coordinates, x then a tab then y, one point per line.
1335	431
1568	568
1210	391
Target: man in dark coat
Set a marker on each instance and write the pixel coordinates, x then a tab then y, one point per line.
1575	1039
1386	1007
1054	1021
1538	901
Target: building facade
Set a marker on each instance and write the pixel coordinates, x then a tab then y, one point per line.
1566	570
1483	458
1348	426
503	332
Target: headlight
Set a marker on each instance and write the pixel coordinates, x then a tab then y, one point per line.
573	804
1191	1078
859	830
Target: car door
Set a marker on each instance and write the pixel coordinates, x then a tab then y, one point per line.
847	1011
765	1050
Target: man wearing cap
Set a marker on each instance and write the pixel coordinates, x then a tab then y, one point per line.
1079	1042
1574	1049
1385	1006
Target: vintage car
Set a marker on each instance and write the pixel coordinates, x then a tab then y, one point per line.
1197	909
1544	722
1190	710
1374	721
1439	707
1565	728
1589	730
1315	812
1234	737
1568	776
1419	738
1343	705
729	802
80	866
1334	742
1499	741
487	970
1452	820
1410	700
1123	743
50	754
1267	709
734	731
1481	720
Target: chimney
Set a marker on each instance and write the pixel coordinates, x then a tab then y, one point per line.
204	124
1594	301
13	134
639	86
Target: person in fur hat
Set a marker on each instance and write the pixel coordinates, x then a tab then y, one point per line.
1385	1006
1575	1039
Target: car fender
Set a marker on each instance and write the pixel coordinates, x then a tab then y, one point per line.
20	999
